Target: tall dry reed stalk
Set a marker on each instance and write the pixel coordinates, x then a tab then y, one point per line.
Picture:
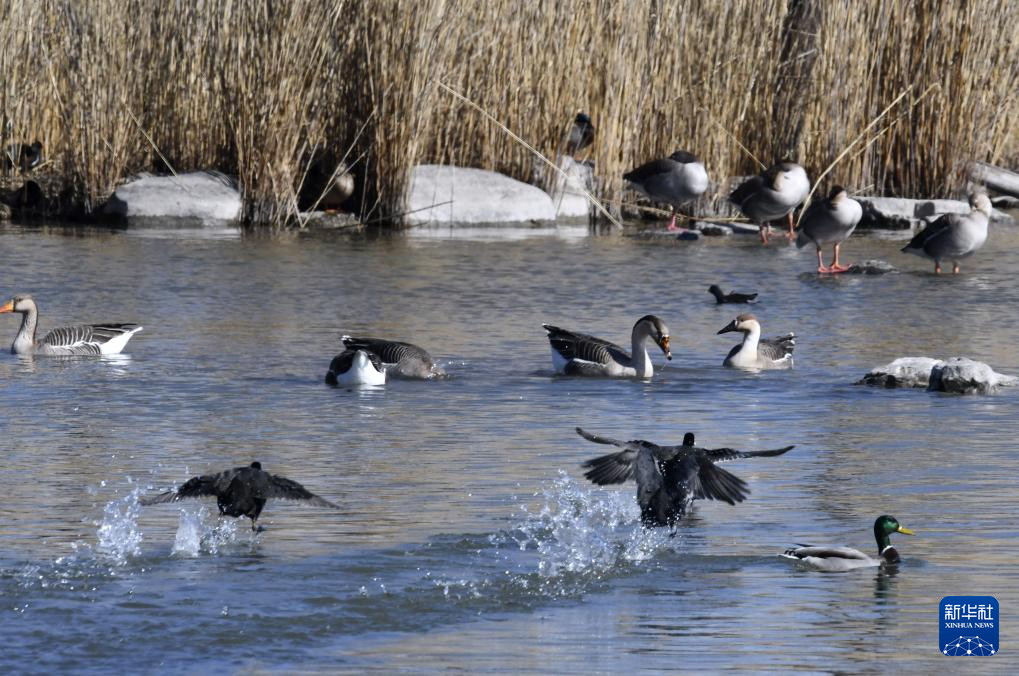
261	88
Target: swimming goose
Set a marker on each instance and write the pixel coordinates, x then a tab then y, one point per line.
581	134
772	195
731	297
95	339
669	478
356	367
755	353
830	221
841	559
399	359
241	491
578	354
954	236
676	179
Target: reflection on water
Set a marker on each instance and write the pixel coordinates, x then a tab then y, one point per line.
463	499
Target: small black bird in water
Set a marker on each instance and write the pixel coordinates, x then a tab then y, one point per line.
581	134
241	491
669	478
731	297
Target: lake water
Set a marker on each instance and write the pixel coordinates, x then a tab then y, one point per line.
469	538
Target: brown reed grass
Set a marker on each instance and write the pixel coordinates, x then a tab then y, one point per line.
262	88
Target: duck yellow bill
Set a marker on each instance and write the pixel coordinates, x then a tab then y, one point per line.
7	307
904	530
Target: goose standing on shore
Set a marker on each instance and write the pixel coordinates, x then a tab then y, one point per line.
241	491
954	236
772	195
755	352
578	354
675	180
830	221
669	478
841	559
94	339
400	359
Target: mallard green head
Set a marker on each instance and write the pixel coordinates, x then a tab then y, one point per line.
884	526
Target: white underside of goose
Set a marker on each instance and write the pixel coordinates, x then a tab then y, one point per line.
362	372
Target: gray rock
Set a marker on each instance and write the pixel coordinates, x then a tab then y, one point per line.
663	234
901	213
446	195
903	372
568	193
5	213
712	229
960	375
199	198
871	267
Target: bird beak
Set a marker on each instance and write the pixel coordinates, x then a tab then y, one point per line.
7	307
664	344
904	530
731	326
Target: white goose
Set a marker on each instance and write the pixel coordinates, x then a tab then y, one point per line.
954	236
755	353
830	221
95	339
578	354
356	367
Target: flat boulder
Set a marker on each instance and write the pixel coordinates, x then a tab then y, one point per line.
448	195
960	375
903	372
568	189
902	213
185	200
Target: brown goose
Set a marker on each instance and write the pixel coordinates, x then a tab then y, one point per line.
399	359
94	339
241	491
772	195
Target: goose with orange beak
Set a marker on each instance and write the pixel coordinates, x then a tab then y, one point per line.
91	339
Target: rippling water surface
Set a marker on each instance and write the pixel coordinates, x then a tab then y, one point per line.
469	537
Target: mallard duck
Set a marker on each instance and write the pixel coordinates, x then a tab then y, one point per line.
669	478
829	221
731	297
399	359
581	134
772	195
954	236
841	559
578	354
93	340
356	367
755	352
241	491
675	180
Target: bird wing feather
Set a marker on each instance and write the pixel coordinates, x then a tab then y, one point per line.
726	454
718	484
281	488
195	487
84	339
572	345
390	351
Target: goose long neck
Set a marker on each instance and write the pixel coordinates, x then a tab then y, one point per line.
752	337
641	360
25	339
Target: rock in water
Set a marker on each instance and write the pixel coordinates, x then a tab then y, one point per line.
903	372
960	375
448	195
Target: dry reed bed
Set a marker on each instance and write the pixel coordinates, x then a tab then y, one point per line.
257	88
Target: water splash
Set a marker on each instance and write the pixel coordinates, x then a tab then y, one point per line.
195	536
118	536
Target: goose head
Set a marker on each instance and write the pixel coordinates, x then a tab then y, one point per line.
786	177
655	329
979	201
683	157
742	323
837	195
22	304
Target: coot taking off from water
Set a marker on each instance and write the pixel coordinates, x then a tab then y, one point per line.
356	367
241	491
399	359
578	354
675	180
581	134
669	478
731	297
755	352
772	195
841	559
830	221
95	339
954	236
